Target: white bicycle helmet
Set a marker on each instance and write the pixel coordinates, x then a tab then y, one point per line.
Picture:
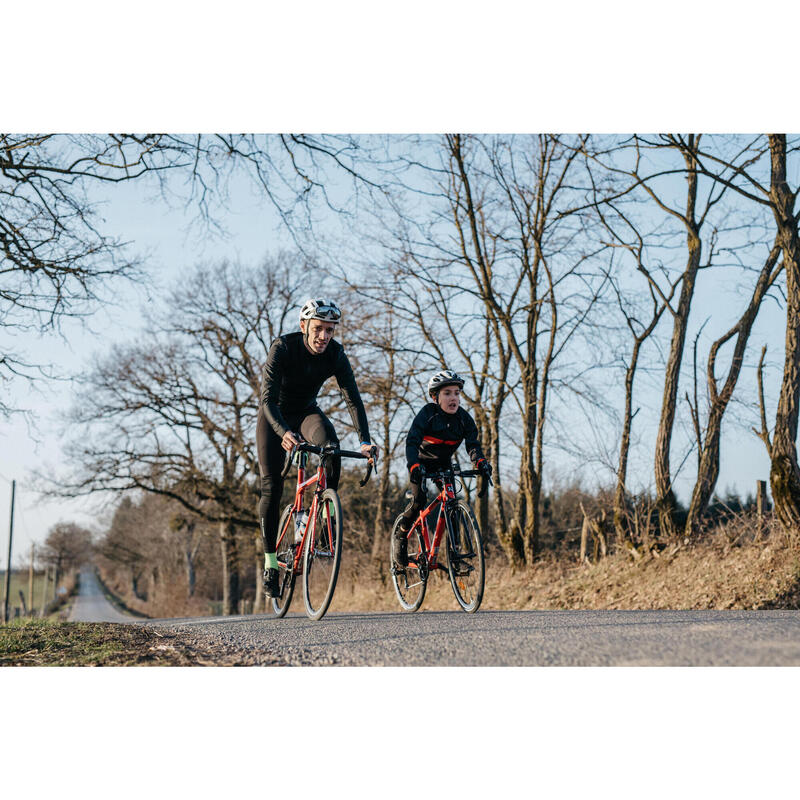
325	310
444	378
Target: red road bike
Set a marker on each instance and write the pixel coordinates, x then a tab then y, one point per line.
463	546
310	540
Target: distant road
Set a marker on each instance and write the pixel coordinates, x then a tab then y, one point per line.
503	638
91	605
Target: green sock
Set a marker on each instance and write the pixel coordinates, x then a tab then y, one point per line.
270	561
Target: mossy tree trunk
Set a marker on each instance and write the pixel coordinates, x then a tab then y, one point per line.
784	473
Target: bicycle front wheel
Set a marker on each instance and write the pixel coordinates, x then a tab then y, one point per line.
322	556
410	583
285	554
465	563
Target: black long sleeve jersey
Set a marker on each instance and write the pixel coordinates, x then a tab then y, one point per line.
293	376
435	435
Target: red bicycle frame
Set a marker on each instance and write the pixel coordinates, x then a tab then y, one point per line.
446	495
302	485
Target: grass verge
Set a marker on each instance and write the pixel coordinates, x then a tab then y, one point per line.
32	643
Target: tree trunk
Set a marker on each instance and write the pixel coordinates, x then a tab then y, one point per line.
665	496
135	576
527	501
508	537
191	573
482	503
584	538
230	567
380	537
708	468
621	525
784	473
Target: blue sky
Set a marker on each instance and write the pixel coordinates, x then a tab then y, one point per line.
169	240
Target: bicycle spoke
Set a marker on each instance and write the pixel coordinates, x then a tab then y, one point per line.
410	583
323	555
285	555
465	562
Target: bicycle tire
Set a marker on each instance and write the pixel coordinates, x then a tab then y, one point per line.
411	582
465	562
285	554
322	556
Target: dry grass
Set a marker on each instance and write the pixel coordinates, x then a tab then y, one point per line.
733	568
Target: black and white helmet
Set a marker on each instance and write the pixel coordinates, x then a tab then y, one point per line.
325	310
444	378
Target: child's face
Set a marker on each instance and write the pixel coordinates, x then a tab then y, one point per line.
449	399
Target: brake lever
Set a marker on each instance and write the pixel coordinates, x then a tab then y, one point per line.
289	462
372	464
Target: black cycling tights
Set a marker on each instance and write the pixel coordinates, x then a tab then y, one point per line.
314	427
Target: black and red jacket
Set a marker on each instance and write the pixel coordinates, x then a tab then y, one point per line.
435	435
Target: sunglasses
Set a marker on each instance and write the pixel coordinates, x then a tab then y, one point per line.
328	313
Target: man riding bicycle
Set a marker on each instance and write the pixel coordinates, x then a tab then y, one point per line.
297	365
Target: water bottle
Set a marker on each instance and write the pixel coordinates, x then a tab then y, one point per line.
300	525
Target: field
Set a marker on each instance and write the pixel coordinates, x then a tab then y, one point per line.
19	581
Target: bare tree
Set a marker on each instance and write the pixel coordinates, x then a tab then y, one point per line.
533	181
718	398
744	172
495	275
384	381
691	216
175	414
640	331
67	547
56	261
152	545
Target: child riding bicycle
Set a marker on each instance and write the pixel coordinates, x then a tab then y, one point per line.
434	436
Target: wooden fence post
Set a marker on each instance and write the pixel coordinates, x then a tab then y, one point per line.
761	503
584	535
44	592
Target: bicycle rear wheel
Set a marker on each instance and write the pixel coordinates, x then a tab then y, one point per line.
285	553
323	554
410	583
465	563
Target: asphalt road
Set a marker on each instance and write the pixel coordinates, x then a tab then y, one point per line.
488	638
504	638
91	605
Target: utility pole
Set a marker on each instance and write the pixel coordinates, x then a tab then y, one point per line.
44	591
31	604
8	565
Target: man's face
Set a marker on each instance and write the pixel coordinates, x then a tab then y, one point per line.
319	334
449	399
